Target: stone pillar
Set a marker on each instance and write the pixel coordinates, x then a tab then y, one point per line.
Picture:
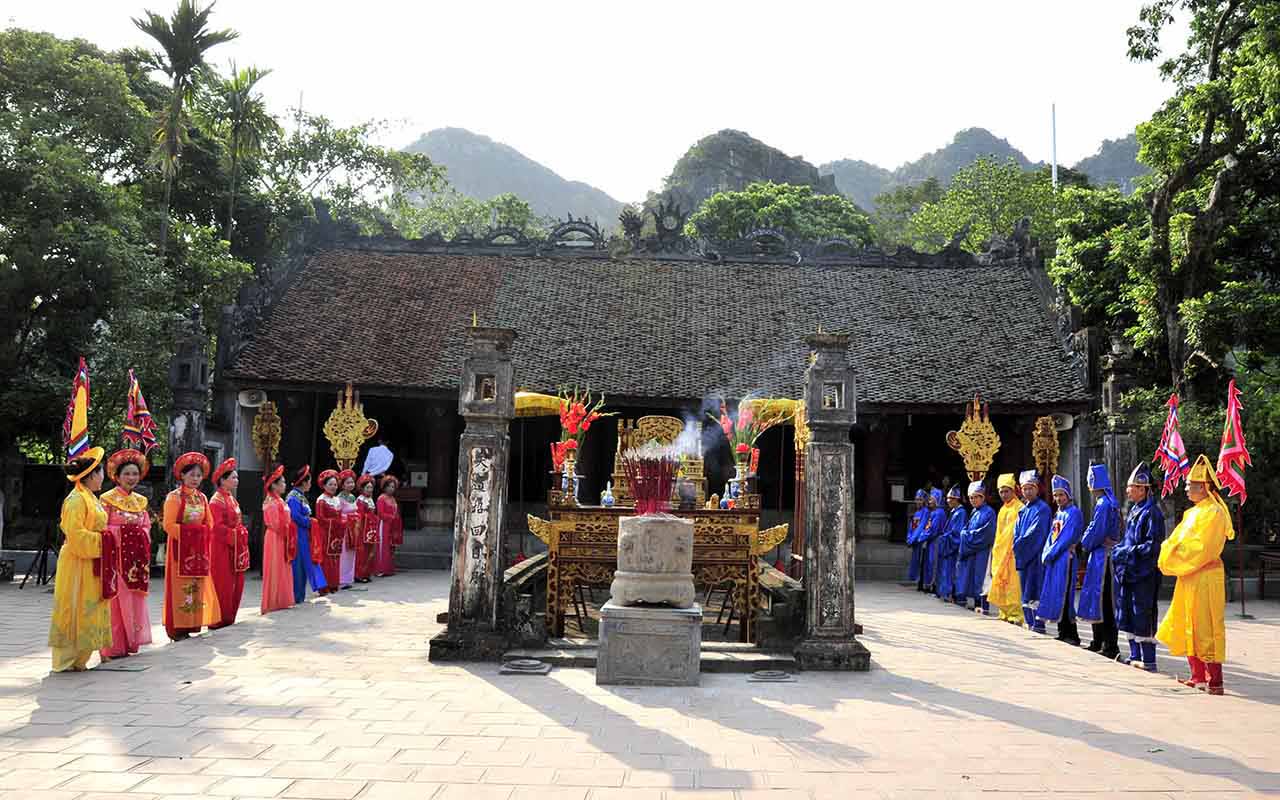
486	401
189	381
1119	443
829	641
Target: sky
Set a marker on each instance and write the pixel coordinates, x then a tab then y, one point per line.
613	93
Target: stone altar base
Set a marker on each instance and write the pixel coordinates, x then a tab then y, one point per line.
847	655
649	646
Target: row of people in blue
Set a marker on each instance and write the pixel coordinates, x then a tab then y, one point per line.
951	557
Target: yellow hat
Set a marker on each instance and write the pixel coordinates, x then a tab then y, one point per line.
1202	471
94	454
1007	481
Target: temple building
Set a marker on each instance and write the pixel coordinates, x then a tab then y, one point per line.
666	327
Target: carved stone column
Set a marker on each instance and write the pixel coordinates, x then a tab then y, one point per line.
829	642
1119	443
486	401
189	381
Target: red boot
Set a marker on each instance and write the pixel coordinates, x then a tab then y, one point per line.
1215	677
1199	678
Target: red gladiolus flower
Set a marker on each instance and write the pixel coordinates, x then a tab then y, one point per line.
571	444
743	447
726	425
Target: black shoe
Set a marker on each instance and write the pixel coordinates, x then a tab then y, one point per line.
1111	654
1095	647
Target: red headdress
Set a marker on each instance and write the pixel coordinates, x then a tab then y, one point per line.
126	456
272	476
346	473
300	477
326	475
388	478
225	467
363	479
186	460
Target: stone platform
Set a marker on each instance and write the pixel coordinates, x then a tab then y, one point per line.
649	645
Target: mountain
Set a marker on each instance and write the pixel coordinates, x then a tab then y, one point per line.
481	168
729	161
1115	162
861	182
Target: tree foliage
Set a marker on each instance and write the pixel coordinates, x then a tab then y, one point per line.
795	210
896	207
1208	251
449	213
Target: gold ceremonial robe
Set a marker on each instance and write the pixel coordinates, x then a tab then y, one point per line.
1195	624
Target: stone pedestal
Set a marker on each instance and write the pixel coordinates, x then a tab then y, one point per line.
649	646
655	561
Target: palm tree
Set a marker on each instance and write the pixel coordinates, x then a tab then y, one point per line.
184	39
246	126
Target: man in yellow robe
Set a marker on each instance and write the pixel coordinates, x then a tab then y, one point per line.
1006	589
81	620
1195	625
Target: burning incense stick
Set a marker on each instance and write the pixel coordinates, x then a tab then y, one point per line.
651	472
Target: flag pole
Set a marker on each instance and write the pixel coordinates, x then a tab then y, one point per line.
1240	557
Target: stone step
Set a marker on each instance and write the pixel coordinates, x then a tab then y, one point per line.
719	657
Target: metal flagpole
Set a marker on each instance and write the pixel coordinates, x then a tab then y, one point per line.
1053	123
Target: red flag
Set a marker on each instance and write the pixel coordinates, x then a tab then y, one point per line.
139	428
1233	457
1171	455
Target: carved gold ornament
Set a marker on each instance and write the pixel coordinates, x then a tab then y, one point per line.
769	538
977	441
266	433
1044	446
347	428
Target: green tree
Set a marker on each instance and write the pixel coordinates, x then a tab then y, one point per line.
896	207
449	213
982	199
1213	151
241	120
1093	256
184	39
71	230
794	210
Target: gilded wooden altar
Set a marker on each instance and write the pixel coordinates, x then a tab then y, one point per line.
582	545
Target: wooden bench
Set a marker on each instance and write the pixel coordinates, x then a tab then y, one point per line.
1268	561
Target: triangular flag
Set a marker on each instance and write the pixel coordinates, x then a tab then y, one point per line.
75	428
1233	457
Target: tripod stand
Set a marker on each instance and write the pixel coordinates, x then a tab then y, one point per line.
41	563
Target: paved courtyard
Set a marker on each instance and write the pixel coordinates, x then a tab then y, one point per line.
336	699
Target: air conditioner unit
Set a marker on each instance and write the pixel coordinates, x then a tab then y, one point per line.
1063	422
252	398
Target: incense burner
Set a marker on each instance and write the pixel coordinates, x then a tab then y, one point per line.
655	561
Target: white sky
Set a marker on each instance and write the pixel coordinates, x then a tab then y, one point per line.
613	93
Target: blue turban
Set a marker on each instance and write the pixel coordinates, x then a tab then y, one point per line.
954	491
936	494
920	495
1061	484
1099	479
978	487
1029	476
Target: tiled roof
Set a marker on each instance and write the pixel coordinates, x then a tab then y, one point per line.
664	329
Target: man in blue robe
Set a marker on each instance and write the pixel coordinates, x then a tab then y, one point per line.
915	540
1029	535
1095	604
949	545
976	538
304	569
1057	592
935	521
1134	559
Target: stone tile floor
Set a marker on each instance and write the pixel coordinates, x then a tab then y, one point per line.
336	699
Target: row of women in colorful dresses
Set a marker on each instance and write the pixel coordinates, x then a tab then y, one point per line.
104	567
1023	561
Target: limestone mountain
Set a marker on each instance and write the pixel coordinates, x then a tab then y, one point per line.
1115	162
481	168
730	160
861	182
